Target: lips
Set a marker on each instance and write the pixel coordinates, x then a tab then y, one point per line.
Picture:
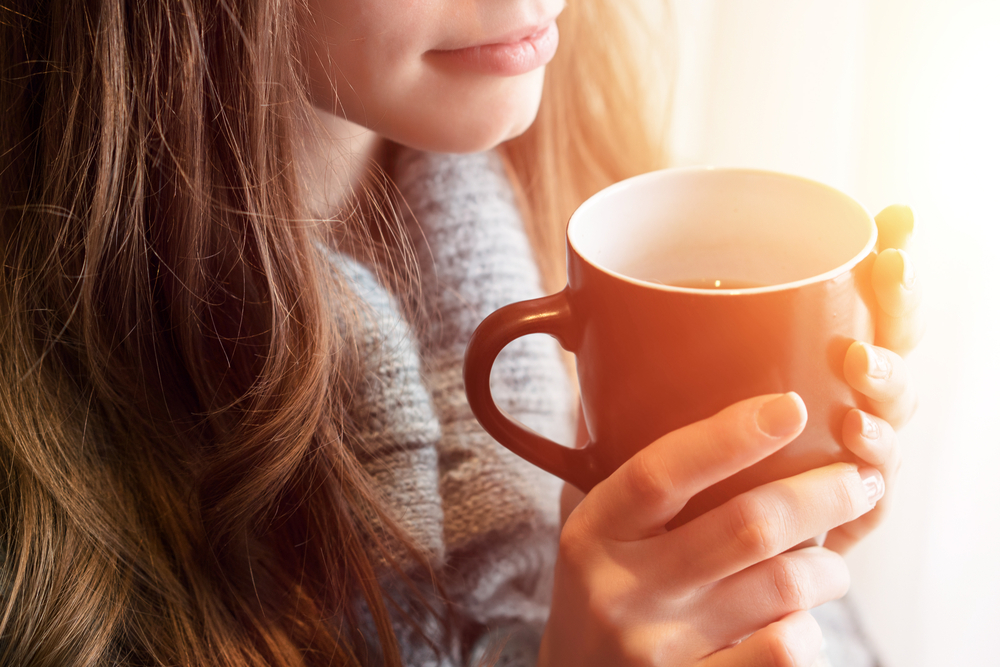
505	58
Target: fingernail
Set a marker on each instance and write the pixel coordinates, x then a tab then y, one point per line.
874	484
906	277
878	365
781	416
869	428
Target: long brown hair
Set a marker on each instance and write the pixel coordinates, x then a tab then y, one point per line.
178	485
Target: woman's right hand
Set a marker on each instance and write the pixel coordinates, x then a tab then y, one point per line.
723	589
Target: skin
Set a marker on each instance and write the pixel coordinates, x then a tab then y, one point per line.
726	588
388	78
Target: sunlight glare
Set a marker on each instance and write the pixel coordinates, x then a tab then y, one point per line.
961	165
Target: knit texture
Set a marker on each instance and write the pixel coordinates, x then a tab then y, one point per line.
487	519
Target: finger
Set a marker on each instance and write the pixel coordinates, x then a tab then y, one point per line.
883	377
897	289
872	440
770	590
843	538
793	641
899	324
895	226
765	521
639	498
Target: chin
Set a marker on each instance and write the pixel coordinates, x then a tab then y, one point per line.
469	119
474	134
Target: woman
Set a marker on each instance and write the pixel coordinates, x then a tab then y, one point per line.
226	359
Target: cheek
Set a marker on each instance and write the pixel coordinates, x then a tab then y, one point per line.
355	48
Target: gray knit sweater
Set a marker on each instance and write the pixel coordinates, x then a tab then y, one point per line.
487	519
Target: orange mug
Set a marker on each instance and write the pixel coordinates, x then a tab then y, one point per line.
688	290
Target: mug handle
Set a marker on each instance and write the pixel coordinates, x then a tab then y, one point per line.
550	315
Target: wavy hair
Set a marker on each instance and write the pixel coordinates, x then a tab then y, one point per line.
178	485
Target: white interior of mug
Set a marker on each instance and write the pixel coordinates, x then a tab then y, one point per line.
718	230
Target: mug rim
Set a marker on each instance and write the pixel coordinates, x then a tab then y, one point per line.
613	189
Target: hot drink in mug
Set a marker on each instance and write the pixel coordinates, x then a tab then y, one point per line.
689	290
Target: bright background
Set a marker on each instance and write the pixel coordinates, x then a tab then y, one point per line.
891	101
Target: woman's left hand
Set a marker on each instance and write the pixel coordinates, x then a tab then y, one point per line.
879	372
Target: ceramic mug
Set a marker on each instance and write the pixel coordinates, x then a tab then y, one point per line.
689	290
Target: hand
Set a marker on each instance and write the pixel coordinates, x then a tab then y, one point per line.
879	372
629	592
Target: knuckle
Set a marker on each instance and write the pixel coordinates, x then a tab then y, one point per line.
576	541
647	481
848	495
756	528
794	644
780	650
792	584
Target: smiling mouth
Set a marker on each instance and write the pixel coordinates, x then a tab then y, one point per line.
506	58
